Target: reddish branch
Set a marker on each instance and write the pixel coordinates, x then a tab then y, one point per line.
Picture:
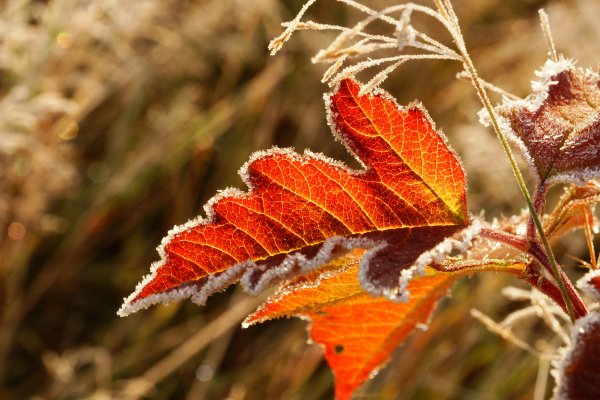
534	275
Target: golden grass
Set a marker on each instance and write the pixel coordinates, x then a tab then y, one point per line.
119	120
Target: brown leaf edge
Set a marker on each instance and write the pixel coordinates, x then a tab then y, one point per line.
577	372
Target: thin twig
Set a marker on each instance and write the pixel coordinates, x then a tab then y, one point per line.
549	318
317	26
548	34
464	75
481	92
352	70
513	266
541	380
589	235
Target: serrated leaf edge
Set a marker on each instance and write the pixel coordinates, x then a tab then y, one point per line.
243	271
539	93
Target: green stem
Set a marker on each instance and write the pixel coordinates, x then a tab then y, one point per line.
524	191
470	67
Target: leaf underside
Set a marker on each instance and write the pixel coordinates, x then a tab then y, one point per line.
558	125
302	211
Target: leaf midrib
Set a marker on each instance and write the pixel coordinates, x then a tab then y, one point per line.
457	216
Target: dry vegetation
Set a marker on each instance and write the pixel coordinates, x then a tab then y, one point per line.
119	120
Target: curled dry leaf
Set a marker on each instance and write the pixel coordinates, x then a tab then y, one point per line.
302	211
334	282
573	210
557	127
577	373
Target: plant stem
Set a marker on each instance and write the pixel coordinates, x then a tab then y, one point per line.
589	220
548	287
579	306
533	276
470	68
524	191
539	203
487	265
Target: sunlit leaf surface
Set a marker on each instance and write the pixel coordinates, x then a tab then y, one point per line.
358	331
302	211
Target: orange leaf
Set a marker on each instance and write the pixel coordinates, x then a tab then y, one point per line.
303	210
358	331
333	282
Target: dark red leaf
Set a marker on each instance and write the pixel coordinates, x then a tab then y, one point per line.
578	371
558	125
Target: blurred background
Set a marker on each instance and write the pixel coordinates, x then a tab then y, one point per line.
119	120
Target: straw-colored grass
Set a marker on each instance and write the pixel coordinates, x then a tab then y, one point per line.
119	120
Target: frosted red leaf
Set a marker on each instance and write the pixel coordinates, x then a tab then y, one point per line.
577	373
557	127
301	211
359	332
590	283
